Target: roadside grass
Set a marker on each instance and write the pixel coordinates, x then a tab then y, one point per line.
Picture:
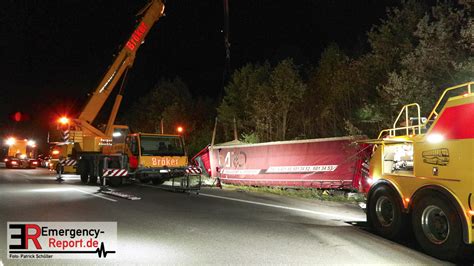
307	193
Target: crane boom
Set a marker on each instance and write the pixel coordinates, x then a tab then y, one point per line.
151	13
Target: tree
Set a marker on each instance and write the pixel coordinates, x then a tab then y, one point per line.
167	97
239	96
441	58
262	100
331	96
288	89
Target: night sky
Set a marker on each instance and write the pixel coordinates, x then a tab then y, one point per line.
53	52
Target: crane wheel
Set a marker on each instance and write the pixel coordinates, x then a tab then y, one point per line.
437	227
93	180
84	171
384	213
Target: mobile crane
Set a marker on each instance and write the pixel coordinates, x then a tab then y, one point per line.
114	152
421	175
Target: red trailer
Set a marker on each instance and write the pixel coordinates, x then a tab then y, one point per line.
336	163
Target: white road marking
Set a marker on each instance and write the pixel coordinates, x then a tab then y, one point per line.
94	194
342	217
65	189
331	215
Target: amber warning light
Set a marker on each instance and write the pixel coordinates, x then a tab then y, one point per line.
63	120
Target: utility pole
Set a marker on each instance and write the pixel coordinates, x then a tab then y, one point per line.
226	72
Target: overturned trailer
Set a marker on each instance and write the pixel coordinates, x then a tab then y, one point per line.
331	163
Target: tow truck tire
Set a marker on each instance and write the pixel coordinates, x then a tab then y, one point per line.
437	227
384	213
83	171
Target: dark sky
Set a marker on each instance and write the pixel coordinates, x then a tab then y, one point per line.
53	52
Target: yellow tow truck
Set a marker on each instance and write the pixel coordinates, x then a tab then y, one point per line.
422	175
114	152
19	153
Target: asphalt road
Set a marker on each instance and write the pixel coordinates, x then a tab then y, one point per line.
214	227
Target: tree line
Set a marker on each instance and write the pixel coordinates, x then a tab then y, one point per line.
412	55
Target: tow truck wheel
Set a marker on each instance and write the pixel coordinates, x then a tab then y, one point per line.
384	213
437	227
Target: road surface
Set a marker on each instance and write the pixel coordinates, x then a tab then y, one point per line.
214	227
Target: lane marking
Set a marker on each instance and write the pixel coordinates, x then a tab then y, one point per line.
63	189
347	218
342	217
95	195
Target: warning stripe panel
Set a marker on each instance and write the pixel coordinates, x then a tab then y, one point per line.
68	162
115	172
193	170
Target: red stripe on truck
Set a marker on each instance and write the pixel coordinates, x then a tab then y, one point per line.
456	122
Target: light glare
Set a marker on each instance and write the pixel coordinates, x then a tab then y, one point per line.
10	141
63	120
435	138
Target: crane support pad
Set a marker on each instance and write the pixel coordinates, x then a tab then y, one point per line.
121	195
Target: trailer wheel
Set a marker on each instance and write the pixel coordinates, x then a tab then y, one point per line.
384	213
437	227
83	171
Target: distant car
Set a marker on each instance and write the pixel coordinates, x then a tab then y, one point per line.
32	163
43	161
13	162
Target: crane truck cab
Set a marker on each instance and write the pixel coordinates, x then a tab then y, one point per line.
139	156
156	157
422	175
